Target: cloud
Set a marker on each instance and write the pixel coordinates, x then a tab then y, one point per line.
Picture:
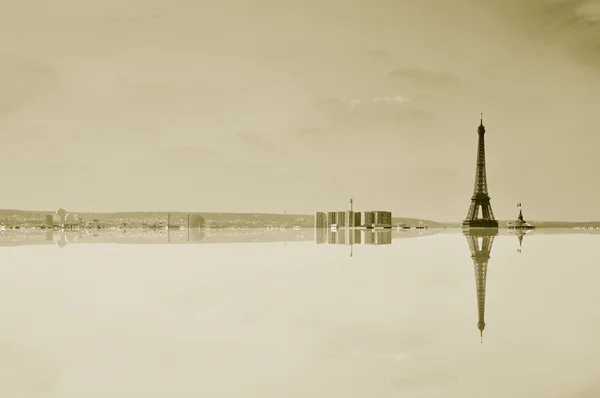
377	115
425	77
572	25
589	10
396	99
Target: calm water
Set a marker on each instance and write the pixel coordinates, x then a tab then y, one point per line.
286	317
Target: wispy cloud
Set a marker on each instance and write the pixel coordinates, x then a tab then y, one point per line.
425	76
396	99
571	25
589	10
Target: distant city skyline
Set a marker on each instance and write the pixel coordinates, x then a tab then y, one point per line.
297	106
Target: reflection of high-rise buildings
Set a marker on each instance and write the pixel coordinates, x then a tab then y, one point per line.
382	237
480	245
354	237
369	237
320	235
357	234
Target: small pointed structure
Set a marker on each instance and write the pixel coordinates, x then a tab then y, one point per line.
520	223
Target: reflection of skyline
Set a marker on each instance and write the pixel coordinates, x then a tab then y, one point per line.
352	236
347	236
480	244
123	236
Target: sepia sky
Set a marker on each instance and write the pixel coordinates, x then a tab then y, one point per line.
298	105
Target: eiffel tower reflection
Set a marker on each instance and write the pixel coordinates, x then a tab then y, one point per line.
480	243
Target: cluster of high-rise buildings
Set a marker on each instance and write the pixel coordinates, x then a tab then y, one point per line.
352	219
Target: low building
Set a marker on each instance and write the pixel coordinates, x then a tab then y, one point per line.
72	219
60	217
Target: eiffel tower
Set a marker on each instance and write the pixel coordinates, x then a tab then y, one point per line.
480	254
480	198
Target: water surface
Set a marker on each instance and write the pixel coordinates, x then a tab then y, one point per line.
241	315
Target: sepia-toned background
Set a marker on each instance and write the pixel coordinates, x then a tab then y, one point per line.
262	106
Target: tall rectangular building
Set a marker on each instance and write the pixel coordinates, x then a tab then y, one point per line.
331	218
349	218
320	220
341	218
357	219
367	219
382	219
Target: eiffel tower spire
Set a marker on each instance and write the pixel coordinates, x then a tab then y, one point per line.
480	254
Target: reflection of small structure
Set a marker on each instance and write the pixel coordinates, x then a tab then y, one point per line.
520	223
196	234
61	239
520	233
196	221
